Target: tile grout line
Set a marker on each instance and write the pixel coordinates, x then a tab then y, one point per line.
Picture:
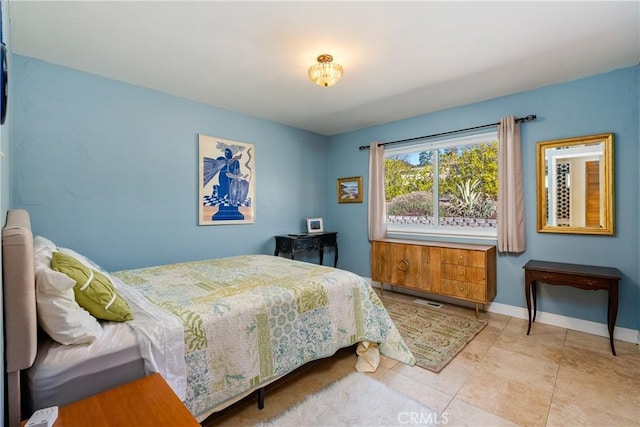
476	367
555	381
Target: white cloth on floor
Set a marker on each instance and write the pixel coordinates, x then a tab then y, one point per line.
368	357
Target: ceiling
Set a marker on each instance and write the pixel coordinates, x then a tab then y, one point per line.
401	59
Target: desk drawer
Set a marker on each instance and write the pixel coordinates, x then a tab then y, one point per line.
585	282
327	240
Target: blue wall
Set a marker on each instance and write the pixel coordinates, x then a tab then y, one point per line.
110	169
599	104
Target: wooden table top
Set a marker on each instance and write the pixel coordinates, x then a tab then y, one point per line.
578	269
148	401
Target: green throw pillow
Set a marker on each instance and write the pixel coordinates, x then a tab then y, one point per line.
93	290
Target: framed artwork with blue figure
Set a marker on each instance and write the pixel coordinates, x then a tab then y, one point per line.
226	180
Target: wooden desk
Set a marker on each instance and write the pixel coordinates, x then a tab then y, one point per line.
579	276
298	243
148	401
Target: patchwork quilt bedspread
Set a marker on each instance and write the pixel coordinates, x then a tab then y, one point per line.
250	319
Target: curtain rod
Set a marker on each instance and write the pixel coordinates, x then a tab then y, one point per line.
530	117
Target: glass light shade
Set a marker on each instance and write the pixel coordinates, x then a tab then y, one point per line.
325	73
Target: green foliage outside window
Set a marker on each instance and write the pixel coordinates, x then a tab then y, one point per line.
400	177
416	203
479	163
468	182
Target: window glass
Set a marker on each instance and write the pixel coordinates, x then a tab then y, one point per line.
444	187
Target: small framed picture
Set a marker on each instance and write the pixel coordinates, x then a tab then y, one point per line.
350	190
314	225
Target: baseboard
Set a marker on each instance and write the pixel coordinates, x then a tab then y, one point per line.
595	328
581	325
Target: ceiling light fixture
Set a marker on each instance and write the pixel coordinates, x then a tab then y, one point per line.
325	73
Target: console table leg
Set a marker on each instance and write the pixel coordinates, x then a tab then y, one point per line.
534	294
612	313
476	310
527	295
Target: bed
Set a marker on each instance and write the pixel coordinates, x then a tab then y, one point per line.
215	329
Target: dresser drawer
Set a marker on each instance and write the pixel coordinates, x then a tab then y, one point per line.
463	273
464	257
464	290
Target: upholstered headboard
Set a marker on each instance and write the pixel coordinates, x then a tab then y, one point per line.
19	293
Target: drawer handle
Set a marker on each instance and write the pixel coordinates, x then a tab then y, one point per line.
546	276
591	282
461	288
462	273
461	257
404	265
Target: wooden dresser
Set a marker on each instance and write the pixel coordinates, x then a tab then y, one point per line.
462	271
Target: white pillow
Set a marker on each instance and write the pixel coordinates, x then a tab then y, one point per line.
42	250
58	312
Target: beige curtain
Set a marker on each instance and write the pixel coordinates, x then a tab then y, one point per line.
511	221
377	208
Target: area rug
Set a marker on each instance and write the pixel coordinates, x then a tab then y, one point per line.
356	400
433	336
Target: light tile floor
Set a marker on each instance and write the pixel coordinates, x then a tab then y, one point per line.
553	377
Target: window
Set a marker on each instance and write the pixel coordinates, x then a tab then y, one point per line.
447	187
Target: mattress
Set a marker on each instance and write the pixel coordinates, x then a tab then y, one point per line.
63	374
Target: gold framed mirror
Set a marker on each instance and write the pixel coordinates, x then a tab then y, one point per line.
575	185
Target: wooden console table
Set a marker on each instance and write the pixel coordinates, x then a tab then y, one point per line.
298	243
579	276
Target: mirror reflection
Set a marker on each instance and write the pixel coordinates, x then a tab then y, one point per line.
575	185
